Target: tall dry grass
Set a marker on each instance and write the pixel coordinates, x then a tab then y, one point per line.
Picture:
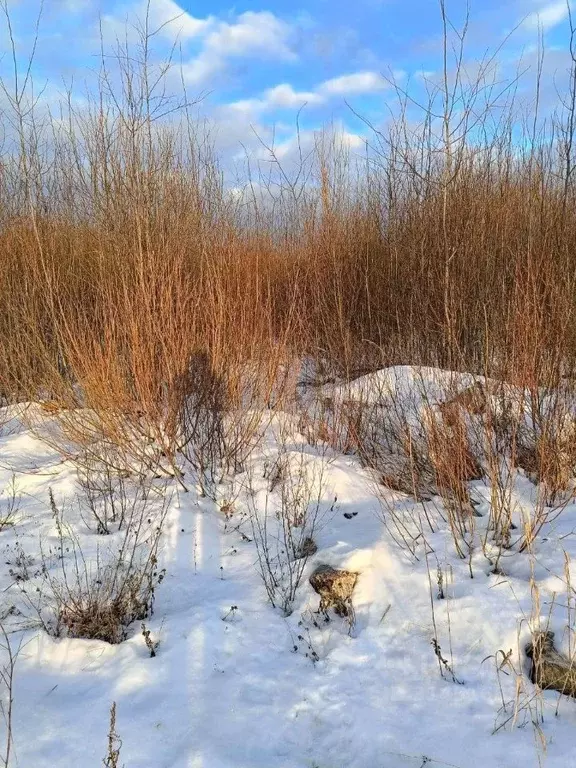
126	258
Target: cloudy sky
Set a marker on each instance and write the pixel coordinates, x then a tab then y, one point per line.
256	63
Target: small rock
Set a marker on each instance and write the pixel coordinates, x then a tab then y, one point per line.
550	670
335	588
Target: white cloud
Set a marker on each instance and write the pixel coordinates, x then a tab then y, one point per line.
301	144
359	82
351	140
198	71
175	21
165	17
260	34
254	32
284	96
548	16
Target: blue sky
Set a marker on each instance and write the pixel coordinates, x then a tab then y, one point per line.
257	62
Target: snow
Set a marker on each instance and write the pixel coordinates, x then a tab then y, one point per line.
409	382
238	688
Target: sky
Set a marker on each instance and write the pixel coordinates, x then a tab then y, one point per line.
259	66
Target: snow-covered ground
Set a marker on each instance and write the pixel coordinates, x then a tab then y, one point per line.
235	683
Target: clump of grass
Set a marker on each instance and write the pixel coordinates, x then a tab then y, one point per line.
99	598
105	609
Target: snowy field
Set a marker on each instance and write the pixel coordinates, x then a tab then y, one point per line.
419	674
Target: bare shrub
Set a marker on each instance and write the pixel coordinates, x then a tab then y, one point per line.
531	430
100	597
110	500
204	407
285	518
454	465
